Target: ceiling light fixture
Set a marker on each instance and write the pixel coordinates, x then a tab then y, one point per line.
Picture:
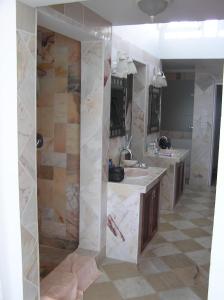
153	7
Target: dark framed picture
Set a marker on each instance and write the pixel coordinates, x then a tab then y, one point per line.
154	109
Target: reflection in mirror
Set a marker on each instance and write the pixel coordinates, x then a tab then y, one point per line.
121	106
154	109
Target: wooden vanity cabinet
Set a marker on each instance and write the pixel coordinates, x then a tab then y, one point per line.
180	169
150	214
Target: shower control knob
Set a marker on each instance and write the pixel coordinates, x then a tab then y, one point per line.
40	140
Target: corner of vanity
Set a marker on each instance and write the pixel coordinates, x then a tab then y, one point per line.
133	212
173	182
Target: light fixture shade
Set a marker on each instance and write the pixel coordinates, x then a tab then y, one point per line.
124	66
159	80
153	7
131	67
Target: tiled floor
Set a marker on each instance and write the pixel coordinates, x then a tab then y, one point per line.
175	264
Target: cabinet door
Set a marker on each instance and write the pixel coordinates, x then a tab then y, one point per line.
182	171
179	181
146	219
154	211
150	211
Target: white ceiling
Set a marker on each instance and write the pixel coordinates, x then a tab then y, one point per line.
37	3
126	12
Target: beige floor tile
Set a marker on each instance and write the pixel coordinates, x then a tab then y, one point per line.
164	249
190	276
177	261
148	297
165	281
102	291
183	224
121	270
204	241
179	294
153	265
190	215
103	277
195	232
172	217
158	239
175	235
133	287
208	229
200	257
166	227
201	291
187	245
202	222
206	267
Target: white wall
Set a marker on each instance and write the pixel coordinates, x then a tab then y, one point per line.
11	256
202	48
216	286
146	36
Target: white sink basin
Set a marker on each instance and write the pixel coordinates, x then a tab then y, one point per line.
136	173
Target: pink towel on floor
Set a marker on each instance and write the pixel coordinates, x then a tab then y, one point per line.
70	278
59	286
83	266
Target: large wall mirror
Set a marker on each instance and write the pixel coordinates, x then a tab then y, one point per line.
121	106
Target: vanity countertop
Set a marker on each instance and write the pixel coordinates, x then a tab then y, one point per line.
141	179
170	155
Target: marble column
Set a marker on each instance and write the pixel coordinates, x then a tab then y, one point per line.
201	157
95	116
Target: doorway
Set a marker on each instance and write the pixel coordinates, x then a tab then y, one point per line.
58	157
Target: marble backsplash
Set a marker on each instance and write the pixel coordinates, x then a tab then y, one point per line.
58	120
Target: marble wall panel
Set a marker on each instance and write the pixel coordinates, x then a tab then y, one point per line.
91	144
58	118
26	72
123	222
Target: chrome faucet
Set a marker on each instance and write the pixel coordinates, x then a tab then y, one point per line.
127	150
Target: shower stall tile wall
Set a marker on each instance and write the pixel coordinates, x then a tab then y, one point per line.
58	121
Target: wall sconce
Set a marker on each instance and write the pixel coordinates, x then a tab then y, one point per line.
159	80
123	66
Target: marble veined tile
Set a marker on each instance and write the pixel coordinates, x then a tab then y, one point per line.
26	187
29	216
30	291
